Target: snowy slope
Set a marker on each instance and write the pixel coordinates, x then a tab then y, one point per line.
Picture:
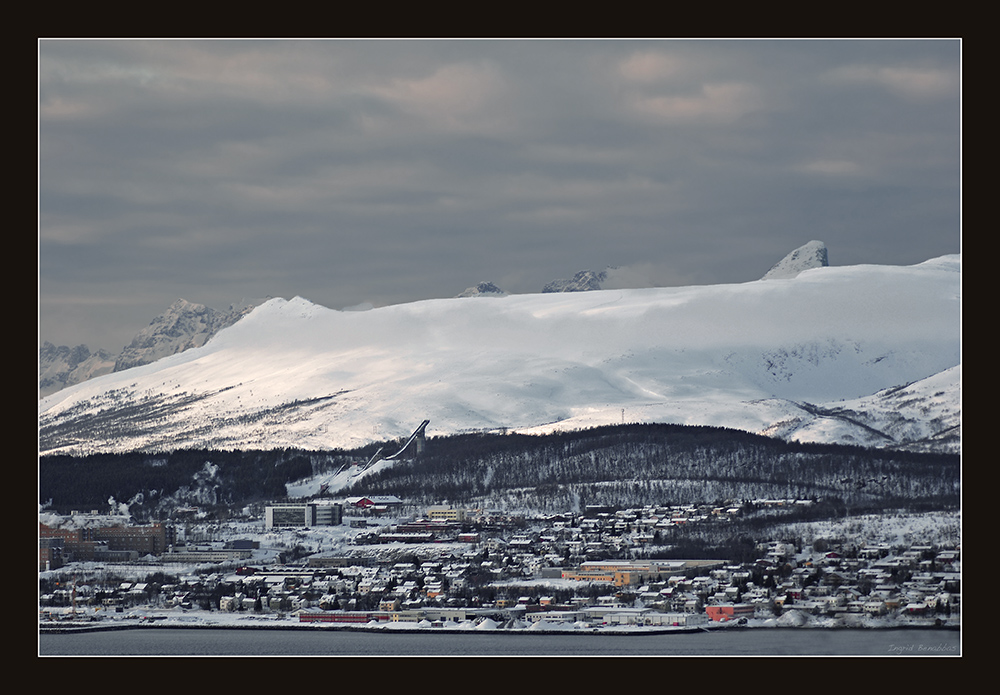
922	416
748	356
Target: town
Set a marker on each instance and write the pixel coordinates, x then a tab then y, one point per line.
374	560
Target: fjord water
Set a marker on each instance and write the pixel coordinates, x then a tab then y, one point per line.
756	642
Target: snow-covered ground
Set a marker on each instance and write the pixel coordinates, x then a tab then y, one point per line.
902	529
178	617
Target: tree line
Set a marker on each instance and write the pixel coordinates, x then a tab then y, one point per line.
152	482
623	465
660	464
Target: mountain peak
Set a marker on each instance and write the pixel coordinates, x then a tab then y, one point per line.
182	326
811	255
583	281
487	288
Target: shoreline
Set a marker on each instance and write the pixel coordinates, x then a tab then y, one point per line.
67	627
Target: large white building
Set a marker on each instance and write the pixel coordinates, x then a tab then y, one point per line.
304	514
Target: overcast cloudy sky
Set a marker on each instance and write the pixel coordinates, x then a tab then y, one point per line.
390	171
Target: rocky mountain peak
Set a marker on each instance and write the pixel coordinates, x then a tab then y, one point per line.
487	288
811	255
184	325
581	282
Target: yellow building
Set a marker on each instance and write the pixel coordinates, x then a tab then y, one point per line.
619	576
443	513
626	573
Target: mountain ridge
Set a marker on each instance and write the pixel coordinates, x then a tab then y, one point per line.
185	325
294	374
62	366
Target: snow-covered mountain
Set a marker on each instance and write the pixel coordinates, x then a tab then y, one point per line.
922	416
860	354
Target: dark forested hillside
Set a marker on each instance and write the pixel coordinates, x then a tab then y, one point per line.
661	464
154	484
628	465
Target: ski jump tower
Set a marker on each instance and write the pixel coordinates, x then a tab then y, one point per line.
418	436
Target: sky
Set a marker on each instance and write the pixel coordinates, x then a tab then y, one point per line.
353	172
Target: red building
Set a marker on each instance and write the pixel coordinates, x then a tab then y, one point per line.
729	611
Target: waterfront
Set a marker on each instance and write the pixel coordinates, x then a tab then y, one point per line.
737	642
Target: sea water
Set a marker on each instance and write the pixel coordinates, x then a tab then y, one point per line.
267	642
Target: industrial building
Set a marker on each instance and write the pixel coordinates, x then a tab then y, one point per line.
114	543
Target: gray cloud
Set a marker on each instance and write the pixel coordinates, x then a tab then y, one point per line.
388	171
